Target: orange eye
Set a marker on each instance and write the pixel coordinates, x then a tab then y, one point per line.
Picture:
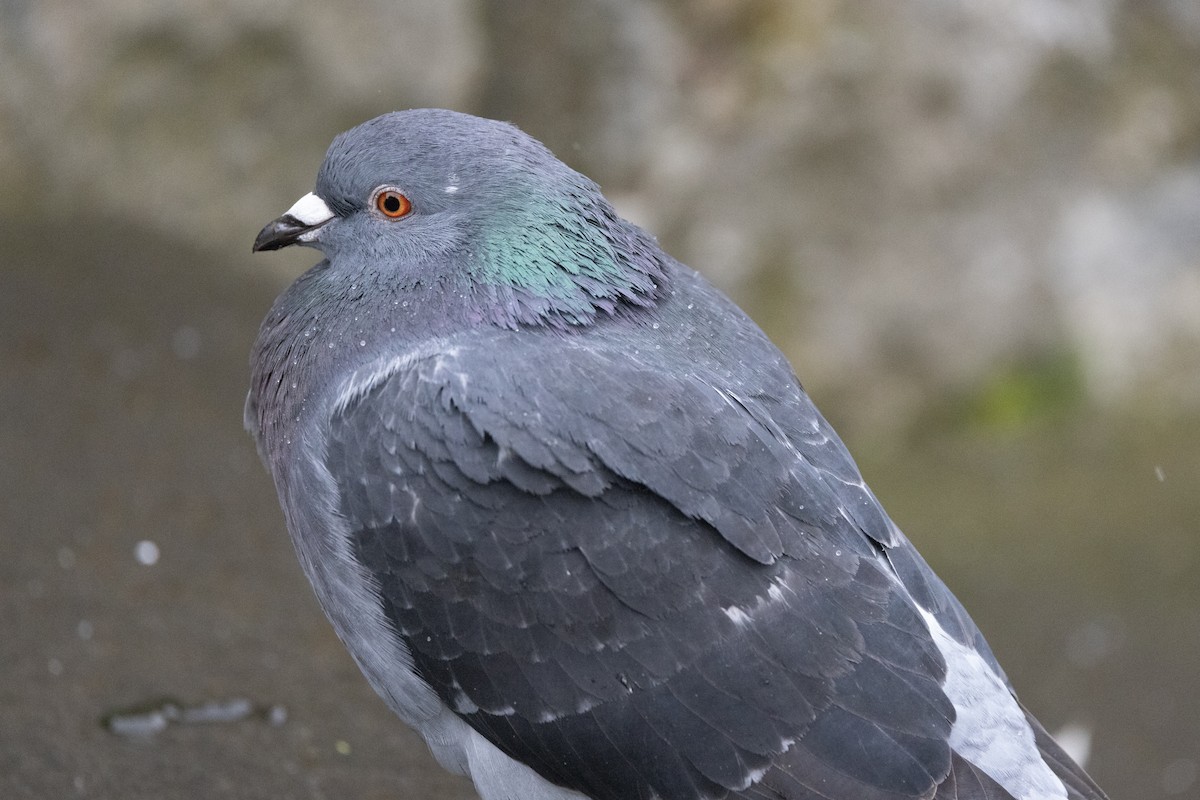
392	204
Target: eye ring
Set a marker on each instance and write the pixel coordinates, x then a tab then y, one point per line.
392	203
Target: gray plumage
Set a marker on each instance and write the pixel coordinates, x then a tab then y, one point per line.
575	518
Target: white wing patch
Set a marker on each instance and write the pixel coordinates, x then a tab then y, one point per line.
743	616
738	616
498	777
363	380
990	730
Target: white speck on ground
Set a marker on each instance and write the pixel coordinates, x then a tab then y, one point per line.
146	553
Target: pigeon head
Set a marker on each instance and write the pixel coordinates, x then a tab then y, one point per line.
473	208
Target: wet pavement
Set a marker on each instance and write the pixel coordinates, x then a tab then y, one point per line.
124	364
144	566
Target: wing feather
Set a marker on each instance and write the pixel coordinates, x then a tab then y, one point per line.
635	582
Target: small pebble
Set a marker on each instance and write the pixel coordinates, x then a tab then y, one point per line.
145	724
276	716
147	720
217	711
146	553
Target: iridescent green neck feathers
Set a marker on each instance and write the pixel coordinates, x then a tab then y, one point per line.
562	258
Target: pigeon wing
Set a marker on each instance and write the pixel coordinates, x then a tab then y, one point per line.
636	583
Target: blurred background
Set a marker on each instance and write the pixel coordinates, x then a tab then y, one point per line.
973	227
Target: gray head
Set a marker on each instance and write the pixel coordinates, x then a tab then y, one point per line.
436	198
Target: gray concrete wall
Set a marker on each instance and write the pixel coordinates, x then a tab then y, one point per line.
974	200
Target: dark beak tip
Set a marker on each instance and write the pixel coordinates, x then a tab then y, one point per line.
265	240
279	233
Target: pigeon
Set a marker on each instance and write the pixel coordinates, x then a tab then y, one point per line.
574	517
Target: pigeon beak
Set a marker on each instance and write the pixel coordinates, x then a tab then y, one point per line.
299	224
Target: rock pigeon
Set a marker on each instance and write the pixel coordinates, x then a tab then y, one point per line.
575	518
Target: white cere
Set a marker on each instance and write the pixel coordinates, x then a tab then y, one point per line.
310	210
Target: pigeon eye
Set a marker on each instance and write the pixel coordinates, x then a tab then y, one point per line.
392	204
